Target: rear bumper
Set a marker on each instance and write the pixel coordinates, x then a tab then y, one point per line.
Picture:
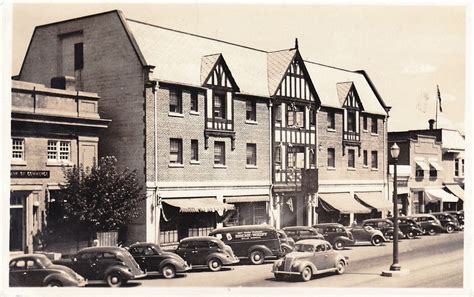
183	268
231	261
138	276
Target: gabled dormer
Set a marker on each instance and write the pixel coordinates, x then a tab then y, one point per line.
217	78
352	106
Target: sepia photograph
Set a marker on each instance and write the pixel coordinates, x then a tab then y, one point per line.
248	148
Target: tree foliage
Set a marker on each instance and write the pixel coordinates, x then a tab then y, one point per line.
101	198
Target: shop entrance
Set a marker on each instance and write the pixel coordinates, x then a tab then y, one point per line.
17	220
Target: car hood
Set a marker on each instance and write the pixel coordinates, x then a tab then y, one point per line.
298	255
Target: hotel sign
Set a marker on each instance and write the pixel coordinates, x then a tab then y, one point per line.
29	174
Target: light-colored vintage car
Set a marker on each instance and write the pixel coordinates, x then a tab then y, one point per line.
310	257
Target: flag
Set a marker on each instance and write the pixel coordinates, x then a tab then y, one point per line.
290	204
439	99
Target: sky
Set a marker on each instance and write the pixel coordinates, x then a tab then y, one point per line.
406	50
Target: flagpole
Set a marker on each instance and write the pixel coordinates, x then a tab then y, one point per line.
436	122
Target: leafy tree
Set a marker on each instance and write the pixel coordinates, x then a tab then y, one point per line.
100	199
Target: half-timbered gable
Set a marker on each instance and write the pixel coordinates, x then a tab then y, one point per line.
352	106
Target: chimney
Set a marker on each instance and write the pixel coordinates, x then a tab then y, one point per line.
431	122
63	83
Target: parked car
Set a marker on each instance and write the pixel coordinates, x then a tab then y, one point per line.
449	222
206	251
428	223
367	234
254	242
302	232
38	271
110	264
287	243
383	225
409	227
336	234
311	256
458	214
152	258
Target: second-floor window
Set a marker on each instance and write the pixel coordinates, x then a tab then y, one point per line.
278	155
366	159
419	172
295	116
351	158
331	120
219	153
59	150
351	121
219	105
251	110
78	56
251	154
373	127
364	123
312	117
194	101
331	158
295	157
176	151
18	149
375	160
433	172
176	101
194	150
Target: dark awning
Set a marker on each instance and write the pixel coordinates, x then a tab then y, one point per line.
344	203
190	205
374	200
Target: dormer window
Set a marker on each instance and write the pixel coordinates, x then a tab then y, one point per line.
351	121
219	105
295	116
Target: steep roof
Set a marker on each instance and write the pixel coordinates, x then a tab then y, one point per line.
278	62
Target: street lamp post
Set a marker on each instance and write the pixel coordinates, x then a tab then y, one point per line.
395	268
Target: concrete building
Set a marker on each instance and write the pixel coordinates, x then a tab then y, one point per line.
435	165
52	129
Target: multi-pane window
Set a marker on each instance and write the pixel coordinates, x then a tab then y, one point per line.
259	214
351	121
251	107
351	158
373	127
176	101
278	113
78	56
366	158
291	160
194	101
219	105
295	116
312	117
312	158
194	150
251	154
219	153
278	155
18	149
59	150
364	123
331	119
331	157
375	161
176	151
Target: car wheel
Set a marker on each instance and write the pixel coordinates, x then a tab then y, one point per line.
306	274
432	231
214	264
410	235
340	267
54	284
257	257
168	271
114	279
279	277
377	240
449	229
339	245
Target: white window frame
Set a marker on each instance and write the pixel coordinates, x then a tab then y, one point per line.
59	149
18	148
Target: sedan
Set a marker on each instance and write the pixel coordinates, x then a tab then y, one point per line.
38	271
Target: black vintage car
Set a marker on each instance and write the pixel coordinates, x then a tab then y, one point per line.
383	225
152	258
302	232
206	251
428	223
113	265
408	227
287	243
255	242
367	234
449	222
336	234
38	271
458	214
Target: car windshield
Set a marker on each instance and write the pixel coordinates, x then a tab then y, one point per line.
304	248
44	261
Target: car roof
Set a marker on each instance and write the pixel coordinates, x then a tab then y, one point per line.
328	224
142	244
376	220
244	228
29	256
298	228
311	241
418	215
98	249
199	238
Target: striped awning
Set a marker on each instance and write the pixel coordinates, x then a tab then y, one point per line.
374	200
456	190
436	165
192	205
243	199
343	202
434	195
423	165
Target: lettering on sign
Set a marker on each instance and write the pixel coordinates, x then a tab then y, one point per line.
29	174
250	235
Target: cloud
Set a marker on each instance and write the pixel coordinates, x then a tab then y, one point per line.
445	97
414	68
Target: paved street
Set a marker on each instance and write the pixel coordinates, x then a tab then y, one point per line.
435	262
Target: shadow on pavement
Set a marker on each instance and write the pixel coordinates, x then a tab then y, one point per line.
159	276
126	285
205	269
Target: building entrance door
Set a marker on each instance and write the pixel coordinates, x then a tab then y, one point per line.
16	228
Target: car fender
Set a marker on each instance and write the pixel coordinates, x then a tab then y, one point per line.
121	269
170	261
378	233
266	251
347	240
286	246
63	279
304	263
340	258
216	255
